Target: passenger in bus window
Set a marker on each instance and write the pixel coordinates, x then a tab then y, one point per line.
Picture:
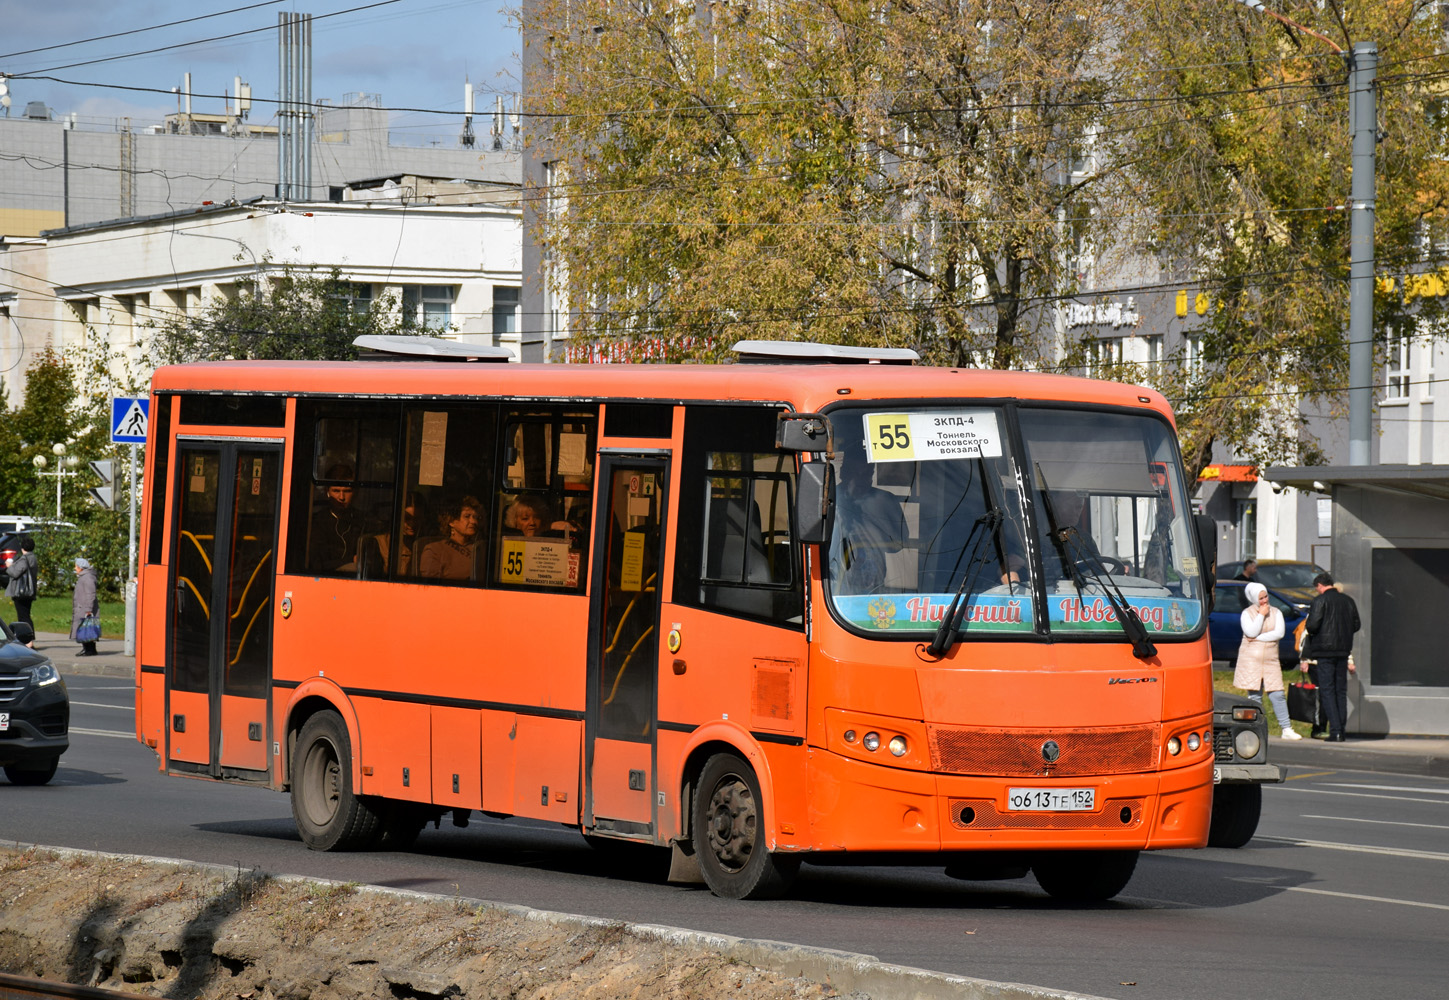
377	549
336	527
531	515
451	558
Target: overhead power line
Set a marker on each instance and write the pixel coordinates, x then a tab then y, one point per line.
137	31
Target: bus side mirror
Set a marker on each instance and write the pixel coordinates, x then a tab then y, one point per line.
804	432
1207	546
812	502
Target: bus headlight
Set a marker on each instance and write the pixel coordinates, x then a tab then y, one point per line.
898	746
1174	745
871	742
849	736
1193	741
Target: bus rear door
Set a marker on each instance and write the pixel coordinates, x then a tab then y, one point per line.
220	638
619	729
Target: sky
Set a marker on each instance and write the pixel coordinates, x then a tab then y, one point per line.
413	53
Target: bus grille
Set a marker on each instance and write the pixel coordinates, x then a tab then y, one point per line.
1018	752
985	816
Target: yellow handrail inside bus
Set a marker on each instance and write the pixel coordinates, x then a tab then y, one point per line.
625	665
194	541
242	645
204	609
625	616
242	603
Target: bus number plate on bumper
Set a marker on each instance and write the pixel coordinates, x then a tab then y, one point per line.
1051	799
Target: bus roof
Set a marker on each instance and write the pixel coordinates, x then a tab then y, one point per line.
806	387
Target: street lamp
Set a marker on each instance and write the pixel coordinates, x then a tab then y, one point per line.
64	467
1363	122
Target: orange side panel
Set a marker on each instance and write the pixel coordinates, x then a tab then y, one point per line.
151	616
525	754
396	743
613	798
194	745
457	758
151	710
238	749
670	753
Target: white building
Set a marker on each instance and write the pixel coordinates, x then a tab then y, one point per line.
453	267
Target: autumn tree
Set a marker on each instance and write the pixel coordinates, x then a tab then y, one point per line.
1243	160
295	313
910	173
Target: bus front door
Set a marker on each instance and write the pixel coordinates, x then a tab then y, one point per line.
619	733
219	653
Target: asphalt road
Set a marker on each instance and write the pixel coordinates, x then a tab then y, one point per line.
1342	893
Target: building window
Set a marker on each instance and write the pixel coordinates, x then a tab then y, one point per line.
1154	352
1192	353
1247	511
428	306
505	309
1102	354
1396	369
359	297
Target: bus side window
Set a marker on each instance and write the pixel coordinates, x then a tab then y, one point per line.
736	551
351	483
440	535
544	498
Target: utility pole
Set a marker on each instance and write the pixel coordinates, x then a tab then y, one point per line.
1363	122
1364	118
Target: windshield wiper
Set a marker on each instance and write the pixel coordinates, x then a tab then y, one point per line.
1072	547
956	611
988	523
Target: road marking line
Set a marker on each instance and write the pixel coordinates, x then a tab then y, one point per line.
1358	795
1310	774
103	732
94	704
1381	822
1370	899
1328	845
1394	788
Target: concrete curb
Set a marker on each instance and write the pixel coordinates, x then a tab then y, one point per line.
1428	763
847	972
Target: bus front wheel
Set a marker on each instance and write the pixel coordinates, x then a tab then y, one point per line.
328	813
729	834
1084	876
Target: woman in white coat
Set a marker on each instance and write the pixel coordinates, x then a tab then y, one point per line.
1258	668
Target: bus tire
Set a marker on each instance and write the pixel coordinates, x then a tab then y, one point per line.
729	834
32	775
1236	811
328	814
1084	876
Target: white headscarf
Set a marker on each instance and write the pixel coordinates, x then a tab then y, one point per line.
1255	591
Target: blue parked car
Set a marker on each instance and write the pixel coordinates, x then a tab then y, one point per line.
1225	627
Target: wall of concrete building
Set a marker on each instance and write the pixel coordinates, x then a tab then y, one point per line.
56	175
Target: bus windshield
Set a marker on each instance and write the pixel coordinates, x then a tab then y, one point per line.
934	502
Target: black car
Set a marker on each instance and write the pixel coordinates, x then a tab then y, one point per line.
1240	769
34	709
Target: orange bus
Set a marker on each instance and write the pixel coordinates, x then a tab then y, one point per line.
821	605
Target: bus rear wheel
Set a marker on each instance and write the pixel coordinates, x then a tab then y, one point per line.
330	816
1084	876
729	834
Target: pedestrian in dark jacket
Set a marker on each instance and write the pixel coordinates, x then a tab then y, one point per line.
22	579
1332	621
83	602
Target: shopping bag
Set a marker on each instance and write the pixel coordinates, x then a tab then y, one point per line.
1303	702
89	629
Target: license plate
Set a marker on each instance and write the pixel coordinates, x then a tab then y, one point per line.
4	721
1051	799
1217	776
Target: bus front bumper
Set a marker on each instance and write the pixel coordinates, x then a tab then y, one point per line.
865	807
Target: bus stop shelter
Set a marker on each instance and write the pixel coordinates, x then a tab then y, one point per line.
1391	555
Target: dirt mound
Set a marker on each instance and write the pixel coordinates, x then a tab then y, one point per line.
166	930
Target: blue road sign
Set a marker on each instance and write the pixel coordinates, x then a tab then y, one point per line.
129	417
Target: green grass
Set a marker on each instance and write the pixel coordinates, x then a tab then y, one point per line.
52	614
1223	681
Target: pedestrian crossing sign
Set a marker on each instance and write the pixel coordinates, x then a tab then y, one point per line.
129	417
